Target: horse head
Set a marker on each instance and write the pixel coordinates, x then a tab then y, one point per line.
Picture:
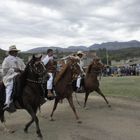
73	62
95	67
35	68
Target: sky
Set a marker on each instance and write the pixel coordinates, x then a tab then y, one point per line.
42	23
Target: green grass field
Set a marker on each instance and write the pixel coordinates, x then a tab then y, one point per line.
128	86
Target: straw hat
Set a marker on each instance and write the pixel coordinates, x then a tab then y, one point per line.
80	52
13	48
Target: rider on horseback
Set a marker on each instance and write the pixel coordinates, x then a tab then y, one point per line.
80	55
49	64
11	66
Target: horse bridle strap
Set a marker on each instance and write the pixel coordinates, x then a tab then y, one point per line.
33	81
95	71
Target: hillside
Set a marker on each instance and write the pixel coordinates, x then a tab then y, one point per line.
122	50
69	49
108	45
2	55
121	54
115	45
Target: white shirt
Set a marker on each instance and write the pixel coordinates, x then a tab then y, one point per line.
46	59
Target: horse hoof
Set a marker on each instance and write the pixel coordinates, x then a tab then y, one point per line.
41	138
45	117
12	131
52	120
79	121
9	131
25	130
86	108
109	106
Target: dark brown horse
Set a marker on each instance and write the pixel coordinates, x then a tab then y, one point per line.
29	90
63	85
91	82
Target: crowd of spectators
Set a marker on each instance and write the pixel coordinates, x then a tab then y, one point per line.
128	70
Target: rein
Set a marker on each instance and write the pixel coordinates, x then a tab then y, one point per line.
41	81
96	72
33	81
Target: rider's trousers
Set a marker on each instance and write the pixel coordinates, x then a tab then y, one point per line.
9	89
50	81
78	82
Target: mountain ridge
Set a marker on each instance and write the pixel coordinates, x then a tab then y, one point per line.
116	45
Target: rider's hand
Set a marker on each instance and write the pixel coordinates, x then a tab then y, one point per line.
17	70
83	74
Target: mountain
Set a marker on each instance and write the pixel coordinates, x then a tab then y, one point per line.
115	45
76	48
108	45
42	49
69	49
2	55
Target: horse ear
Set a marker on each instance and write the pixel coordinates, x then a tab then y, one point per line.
40	57
33	56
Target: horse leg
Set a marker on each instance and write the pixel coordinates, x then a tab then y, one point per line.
70	100
34	118
2	119
54	108
100	93
86	97
6	129
28	125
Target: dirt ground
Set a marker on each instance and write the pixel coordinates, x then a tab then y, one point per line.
120	122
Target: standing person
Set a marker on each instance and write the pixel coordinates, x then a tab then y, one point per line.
80	55
11	66
51	68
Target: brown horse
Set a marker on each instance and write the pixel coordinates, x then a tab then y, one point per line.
29	90
91	82
63	85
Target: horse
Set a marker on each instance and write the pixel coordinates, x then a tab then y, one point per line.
91	82
63	85
28	93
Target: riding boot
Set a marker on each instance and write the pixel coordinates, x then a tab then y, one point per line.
80	90
9	107
50	94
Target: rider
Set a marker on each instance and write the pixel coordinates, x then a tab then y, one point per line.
80	55
11	66
49	63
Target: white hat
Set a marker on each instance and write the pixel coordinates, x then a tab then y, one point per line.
13	48
80	52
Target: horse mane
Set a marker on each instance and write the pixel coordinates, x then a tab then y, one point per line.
70	61
60	74
89	68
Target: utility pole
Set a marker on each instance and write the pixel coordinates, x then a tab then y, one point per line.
106	56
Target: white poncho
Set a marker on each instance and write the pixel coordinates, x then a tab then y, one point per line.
8	65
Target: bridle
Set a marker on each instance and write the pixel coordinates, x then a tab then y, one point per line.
34	69
74	71
93	70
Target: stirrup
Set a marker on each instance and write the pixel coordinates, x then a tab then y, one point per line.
6	106
9	107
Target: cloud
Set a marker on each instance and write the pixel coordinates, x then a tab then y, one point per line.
35	23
